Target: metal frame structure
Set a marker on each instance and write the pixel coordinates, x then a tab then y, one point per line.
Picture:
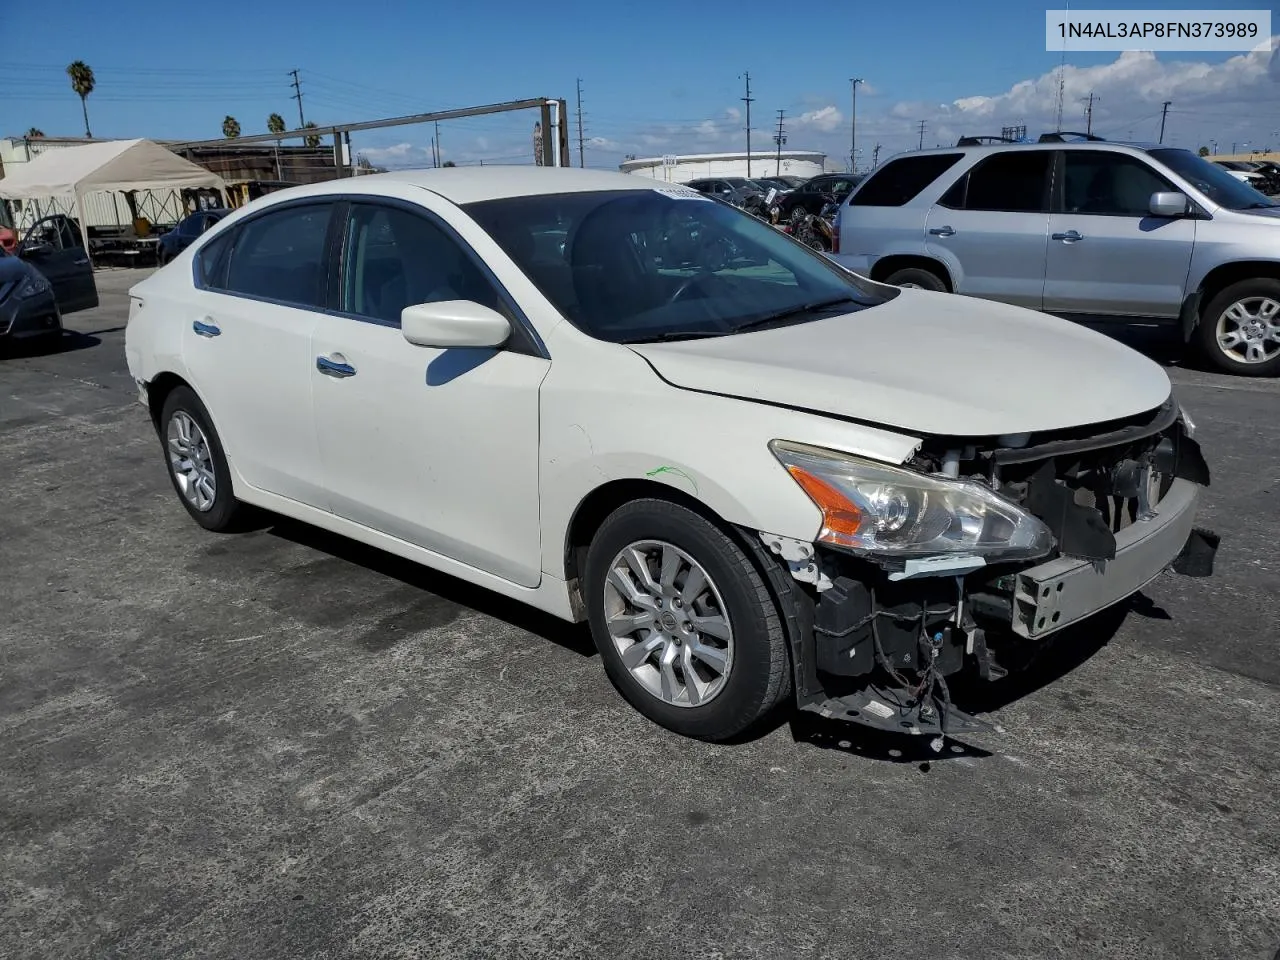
553	116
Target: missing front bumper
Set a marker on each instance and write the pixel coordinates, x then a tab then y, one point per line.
1063	591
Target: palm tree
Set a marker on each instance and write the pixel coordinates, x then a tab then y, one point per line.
275	123
312	140
82	83
35	133
230	127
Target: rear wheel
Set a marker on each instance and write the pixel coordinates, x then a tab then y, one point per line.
916	277
197	466
685	625
1239	330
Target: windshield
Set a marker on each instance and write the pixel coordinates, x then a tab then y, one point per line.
1212	180
666	263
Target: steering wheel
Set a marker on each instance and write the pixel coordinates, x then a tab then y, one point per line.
685	286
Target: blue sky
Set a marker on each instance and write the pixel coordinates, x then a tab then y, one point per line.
657	77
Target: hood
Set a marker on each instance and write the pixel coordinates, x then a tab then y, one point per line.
933	363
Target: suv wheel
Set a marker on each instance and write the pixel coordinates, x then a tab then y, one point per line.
685	625
1239	330
916	277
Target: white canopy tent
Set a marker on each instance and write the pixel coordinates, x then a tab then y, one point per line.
75	172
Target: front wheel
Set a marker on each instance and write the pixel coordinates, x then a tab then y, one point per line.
1239	330
685	625
917	278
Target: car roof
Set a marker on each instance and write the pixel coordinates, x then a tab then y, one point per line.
472	184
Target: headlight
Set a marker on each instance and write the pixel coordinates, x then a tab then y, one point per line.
32	285
884	511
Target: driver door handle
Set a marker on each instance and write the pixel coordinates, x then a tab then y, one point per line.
1071	236
81	262
942	231
204	328
334	368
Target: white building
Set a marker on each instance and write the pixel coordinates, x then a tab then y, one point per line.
695	166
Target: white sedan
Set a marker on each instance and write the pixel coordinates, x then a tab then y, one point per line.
759	477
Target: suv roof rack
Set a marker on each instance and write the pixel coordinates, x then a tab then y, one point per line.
978	141
1061	136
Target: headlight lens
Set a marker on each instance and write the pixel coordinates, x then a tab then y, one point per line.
32	285
885	511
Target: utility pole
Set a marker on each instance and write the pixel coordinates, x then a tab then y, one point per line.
747	100
853	126
1233	147
1088	111
581	150
780	139
297	95
437	141
921	124
1164	113
875	157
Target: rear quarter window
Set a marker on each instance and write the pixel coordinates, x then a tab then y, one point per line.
901	180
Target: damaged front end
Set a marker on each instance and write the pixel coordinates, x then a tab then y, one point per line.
976	552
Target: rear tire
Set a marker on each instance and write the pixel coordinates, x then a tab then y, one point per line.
197	466
1247	313
697	601
917	277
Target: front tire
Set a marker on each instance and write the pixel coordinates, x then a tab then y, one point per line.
197	466
686	627
1239	330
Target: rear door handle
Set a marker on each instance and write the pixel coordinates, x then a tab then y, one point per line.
1071	236
80	263
205	329
335	368
942	232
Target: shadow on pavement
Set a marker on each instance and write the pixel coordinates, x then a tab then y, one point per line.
1163	344
29	347
574	637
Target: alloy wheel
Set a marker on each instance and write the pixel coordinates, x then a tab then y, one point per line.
1248	331
668	623
191	461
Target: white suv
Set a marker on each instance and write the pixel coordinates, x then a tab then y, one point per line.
1086	230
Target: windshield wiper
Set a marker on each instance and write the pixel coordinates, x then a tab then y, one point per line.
787	314
1259	205
676	335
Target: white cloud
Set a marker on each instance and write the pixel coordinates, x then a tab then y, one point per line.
733	113
707	130
824	119
649	140
604	143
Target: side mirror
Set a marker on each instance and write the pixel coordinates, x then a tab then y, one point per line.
1169	204
453	323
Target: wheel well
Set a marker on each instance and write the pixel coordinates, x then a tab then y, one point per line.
1219	278
605	499
158	391
892	264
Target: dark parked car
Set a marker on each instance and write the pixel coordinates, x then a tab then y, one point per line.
815	193
185	233
734	190
50	275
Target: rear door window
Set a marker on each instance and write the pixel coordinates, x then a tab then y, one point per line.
901	180
281	256
1014	182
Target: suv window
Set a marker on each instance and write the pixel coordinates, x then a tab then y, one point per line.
1109	184
1013	182
280	256
900	180
394	258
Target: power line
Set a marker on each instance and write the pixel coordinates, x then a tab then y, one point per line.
297	95
748	100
